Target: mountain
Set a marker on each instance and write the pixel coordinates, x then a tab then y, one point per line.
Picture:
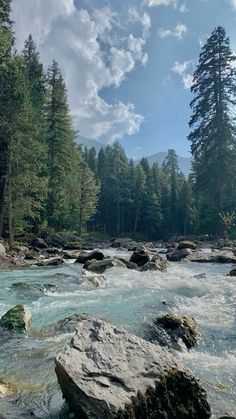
89	143
184	162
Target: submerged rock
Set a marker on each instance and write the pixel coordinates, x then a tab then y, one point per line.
128	264
32	289
84	257
56	261
106	373
178	327
17	318
9	410
101	266
92	281
233	272
140	256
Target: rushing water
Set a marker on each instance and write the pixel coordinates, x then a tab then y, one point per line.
131	300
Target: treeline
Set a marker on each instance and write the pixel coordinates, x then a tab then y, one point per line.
45	182
49	183
137	199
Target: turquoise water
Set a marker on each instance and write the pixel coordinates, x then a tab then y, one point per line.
131	300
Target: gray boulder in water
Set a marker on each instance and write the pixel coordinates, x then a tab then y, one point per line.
99	267
84	257
140	256
17	319
107	373
177	327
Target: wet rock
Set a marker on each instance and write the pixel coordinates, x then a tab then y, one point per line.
50	262
32	289
128	264
2	251
101	266
66	325
124	243
95	255
178	327
233	272
31	255
157	264
187	245
178	255
140	256
200	276
213	257
39	243
17	319
94	281
108	373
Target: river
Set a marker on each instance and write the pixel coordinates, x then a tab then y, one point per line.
131	300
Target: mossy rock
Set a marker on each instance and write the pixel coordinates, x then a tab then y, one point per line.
17	319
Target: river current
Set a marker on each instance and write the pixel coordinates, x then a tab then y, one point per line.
131	300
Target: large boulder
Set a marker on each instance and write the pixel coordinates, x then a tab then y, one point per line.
186	244
17	319
178	255
99	267
157	264
177	327
2	251
128	264
56	261
84	257
108	373
140	256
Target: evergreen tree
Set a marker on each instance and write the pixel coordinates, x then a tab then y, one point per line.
60	140
9	99
213	143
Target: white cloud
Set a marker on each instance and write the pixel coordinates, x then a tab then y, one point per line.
182	70
178	32
233	3
183	8
92	57
152	3
141	17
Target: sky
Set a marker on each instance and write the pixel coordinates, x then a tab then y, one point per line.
128	64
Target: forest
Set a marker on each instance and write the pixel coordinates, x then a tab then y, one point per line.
50	183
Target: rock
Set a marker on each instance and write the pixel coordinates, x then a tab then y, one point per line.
187	245
179	327
108	373
31	255
95	255
39	243
178	255
50	262
213	257
2	251
17	318
128	264
94	281
233	272
140	256
66	325
157	264
99	267
124	243
200	276
32	290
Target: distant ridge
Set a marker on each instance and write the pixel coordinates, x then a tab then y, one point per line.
184	162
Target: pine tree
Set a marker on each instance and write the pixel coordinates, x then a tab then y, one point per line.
60	140
8	99
212	138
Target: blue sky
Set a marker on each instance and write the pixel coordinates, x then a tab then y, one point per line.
127	64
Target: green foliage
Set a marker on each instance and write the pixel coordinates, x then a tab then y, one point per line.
213	141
